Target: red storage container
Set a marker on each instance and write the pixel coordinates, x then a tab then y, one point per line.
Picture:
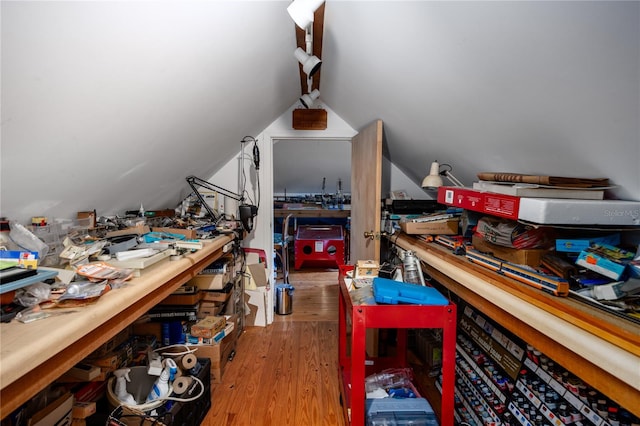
319	245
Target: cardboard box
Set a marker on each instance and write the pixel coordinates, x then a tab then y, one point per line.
219	352
544	211
208	327
256	303
483	202
190	234
182	299
216	296
138	230
209	308
606	260
366	269
438	227
256	276
56	413
576	245
212	281
530	257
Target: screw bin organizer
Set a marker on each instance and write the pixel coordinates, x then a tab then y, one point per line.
352	365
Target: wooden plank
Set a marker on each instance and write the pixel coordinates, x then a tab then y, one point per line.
31	359
309	119
595	363
366	188
312	213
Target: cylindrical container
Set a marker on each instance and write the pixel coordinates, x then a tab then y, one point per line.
284	299
412	270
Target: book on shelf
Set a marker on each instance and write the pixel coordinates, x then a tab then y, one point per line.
538	191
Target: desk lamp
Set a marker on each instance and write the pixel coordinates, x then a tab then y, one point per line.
434	179
247	211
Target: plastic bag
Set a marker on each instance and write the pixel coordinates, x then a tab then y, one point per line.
33	294
27	240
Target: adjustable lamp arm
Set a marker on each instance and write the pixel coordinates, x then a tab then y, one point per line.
247	212
194	181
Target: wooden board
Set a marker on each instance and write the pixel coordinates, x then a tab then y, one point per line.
366	188
309	119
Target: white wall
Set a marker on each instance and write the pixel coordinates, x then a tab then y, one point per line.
280	129
108	105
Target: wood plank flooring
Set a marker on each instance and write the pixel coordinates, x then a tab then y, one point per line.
286	373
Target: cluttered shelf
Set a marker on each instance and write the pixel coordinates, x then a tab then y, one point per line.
35	354
603	348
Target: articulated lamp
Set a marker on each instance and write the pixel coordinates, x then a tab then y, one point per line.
310	63
434	178
247	211
310	98
301	11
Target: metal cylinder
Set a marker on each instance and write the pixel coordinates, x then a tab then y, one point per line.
412	270
284	299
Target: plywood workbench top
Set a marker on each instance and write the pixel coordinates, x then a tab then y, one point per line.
33	355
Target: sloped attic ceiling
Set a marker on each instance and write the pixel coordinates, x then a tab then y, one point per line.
108	105
541	87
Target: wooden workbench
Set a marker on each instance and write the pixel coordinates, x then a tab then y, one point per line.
312	213
35	354
598	347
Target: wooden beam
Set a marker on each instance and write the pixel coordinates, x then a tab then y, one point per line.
318	28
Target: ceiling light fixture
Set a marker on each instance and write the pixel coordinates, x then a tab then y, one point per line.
310	98
434	179
310	63
301	11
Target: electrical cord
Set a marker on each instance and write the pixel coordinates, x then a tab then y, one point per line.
256	163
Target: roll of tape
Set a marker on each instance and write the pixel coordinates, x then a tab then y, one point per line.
181	384
188	361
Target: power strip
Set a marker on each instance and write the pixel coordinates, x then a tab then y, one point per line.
227	247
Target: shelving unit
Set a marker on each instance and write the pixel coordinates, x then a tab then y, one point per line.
355	365
601	349
34	355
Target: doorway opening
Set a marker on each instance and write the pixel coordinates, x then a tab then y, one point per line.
311	186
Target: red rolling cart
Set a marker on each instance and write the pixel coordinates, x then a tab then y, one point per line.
355	366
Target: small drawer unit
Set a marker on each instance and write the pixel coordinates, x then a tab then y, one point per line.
319	246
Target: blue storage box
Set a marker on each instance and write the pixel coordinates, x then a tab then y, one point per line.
403	411
576	245
394	292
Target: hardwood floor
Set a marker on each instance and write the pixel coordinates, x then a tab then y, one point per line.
286	373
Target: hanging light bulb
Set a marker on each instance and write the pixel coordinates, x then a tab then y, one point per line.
310	63
310	98
301	11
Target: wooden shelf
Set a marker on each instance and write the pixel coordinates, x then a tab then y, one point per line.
35	354
312	213
600	348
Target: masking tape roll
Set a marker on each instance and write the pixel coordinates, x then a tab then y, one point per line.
188	361
181	384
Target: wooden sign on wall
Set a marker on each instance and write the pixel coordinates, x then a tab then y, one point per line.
309	119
